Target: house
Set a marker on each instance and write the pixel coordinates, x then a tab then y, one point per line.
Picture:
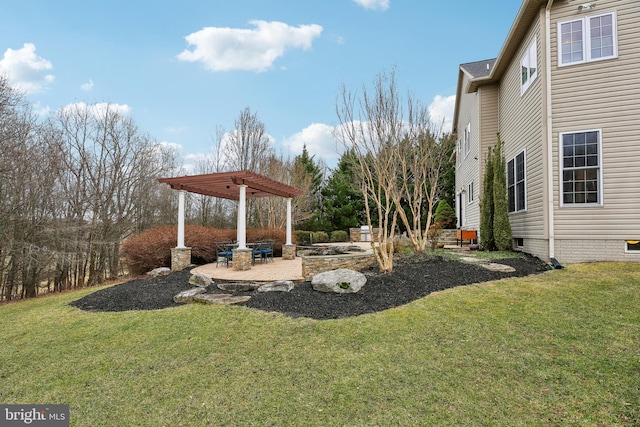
564	97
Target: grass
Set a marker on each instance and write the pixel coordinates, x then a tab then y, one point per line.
553	349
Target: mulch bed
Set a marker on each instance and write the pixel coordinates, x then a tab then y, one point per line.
412	278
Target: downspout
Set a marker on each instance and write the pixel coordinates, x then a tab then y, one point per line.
549	129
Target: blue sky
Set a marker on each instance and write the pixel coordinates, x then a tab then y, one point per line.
183	69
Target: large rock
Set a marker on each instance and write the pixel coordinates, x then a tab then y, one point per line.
224	299
200	280
277	286
188	295
160	271
342	281
238	287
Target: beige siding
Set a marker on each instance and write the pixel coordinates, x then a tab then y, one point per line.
467	167
601	95
521	128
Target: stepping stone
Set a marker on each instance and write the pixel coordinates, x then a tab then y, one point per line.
470	259
188	295
223	299
499	267
277	286
238	287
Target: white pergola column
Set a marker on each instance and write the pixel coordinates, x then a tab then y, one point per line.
181	195
242	218
288	221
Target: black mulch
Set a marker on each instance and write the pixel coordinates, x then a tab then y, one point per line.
412	278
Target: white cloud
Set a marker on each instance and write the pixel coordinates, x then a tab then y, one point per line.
87	86
226	49
99	109
373	4
441	112
26	70
319	140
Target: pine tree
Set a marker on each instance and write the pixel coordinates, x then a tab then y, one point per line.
501	225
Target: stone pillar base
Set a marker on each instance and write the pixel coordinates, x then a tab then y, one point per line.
180	258
242	259
288	251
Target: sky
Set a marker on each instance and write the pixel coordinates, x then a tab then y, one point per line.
185	69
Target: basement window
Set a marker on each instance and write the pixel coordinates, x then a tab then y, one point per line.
632	246
518	242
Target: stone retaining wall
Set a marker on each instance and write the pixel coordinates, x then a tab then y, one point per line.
312	265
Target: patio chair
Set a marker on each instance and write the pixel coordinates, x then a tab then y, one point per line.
224	253
256	251
266	249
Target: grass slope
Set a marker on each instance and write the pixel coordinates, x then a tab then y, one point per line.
557	348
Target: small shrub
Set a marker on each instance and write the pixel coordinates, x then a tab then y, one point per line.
434	234
320	237
445	215
302	237
339	236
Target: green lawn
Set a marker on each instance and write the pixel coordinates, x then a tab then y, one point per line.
561	348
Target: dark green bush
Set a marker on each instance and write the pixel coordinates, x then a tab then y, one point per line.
445	215
320	237
339	236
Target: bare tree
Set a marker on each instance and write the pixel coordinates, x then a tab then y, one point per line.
371	125
400	160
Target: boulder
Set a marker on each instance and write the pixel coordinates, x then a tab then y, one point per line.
277	286
160	271
224	299
342	281
188	295
238	287
200	280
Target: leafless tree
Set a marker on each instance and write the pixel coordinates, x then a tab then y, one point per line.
400	159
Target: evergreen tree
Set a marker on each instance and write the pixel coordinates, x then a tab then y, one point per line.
342	198
310	176
445	215
501	225
486	206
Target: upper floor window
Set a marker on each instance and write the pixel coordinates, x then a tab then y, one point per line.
516	187
580	166
529	66
590	38
467	139
470	193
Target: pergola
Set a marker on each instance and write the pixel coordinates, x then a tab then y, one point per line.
238	185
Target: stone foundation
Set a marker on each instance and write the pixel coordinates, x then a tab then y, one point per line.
288	252
312	265
242	259
180	258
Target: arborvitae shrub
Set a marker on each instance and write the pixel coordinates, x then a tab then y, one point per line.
486	206
339	236
501	225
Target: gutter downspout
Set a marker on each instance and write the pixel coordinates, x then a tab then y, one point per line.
549	129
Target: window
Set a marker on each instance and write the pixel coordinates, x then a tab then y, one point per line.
516	187
467	139
633	246
470	195
580	166
591	38
529	66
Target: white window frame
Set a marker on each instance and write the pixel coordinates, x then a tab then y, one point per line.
470	193
527	77
516	181
467	140
587	41
562	169
631	251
